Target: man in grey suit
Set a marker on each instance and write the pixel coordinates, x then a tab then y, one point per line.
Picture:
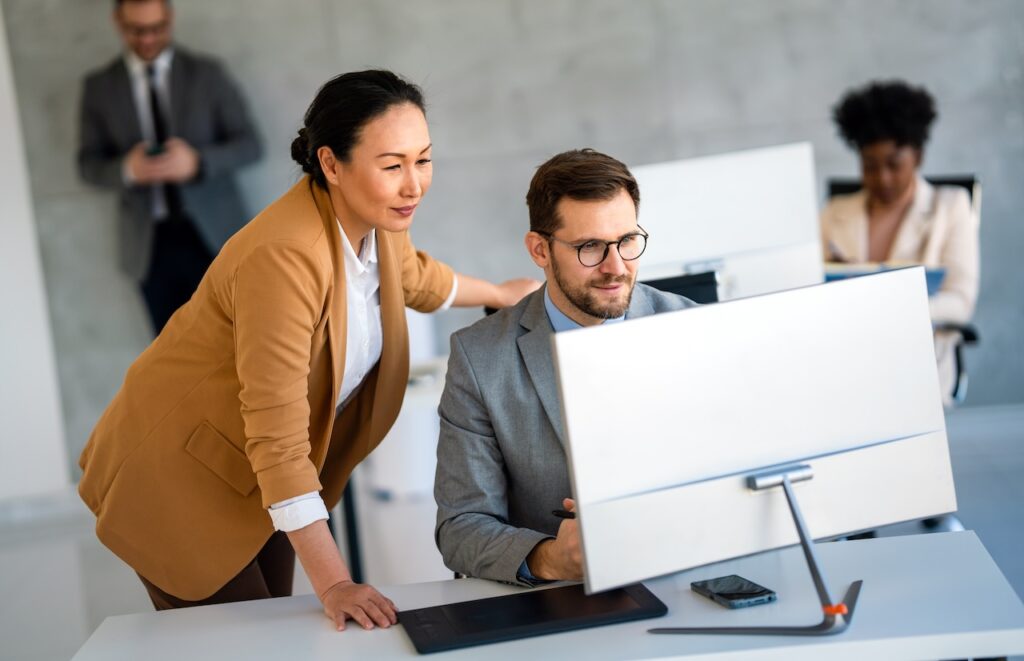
166	129
501	467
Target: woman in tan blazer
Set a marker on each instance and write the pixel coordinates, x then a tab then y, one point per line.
897	216
236	430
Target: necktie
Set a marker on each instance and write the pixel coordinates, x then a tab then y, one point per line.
172	194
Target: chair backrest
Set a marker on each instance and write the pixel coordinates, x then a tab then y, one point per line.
698	287
969	182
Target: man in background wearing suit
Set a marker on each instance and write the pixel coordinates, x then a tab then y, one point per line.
501	467
166	128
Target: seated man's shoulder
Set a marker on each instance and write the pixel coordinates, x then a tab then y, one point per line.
488	333
663	301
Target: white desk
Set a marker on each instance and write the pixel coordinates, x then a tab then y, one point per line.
924	596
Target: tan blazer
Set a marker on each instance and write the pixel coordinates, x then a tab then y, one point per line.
938	230
232	407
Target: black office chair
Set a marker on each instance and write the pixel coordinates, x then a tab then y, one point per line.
968	333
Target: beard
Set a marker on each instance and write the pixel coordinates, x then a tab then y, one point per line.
584	299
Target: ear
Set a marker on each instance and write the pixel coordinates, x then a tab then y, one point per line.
918	157
539	248
329	164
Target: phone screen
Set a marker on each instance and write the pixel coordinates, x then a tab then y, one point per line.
733	591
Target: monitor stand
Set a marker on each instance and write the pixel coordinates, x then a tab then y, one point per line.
837	617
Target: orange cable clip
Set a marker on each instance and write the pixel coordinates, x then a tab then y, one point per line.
835	609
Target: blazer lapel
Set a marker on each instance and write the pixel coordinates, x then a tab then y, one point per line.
535	348
337	307
908	244
394	357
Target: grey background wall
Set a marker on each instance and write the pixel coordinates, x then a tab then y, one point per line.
511	82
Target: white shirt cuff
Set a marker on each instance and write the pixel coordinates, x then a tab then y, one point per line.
298	512
451	297
126	173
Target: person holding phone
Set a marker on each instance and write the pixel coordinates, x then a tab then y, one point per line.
237	429
167	129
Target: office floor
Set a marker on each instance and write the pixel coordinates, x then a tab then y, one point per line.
58	583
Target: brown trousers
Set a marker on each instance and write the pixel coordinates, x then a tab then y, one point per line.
268	575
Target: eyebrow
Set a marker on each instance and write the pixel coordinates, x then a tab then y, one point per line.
396	154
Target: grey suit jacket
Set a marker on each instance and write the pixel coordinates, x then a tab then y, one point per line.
501	465
207	111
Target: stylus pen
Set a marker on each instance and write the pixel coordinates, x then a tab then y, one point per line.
564	514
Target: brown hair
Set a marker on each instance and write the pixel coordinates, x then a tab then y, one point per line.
579	174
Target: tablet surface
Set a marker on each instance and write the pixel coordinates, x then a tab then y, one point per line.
528	613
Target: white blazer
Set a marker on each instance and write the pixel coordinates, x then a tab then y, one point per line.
939	230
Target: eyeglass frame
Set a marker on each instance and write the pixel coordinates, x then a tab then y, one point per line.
607	246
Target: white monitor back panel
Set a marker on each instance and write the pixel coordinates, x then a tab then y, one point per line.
750	215
666	415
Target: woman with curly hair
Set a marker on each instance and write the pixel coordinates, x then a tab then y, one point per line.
898	216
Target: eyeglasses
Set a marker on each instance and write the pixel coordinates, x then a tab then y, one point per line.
594	251
139	31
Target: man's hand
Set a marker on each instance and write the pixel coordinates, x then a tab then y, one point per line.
559	559
178	163
346	600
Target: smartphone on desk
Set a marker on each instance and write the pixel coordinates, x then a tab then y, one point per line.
733	591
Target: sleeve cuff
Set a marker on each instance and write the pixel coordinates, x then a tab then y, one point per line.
126	173
527	576
298	512
448	302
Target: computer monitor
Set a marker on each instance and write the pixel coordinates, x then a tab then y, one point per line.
749	215
667	416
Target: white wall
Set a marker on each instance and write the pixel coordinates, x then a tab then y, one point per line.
32	449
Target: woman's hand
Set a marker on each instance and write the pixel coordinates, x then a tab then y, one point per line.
346	600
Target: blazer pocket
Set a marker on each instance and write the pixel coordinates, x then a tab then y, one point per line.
227	462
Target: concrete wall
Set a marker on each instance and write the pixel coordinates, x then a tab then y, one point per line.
32	443
511	82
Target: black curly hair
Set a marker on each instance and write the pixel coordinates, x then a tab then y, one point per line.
885	110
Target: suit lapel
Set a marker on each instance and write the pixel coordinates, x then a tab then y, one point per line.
535	348
123	102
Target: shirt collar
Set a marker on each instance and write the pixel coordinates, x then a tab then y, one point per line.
367	254
137	66
560	322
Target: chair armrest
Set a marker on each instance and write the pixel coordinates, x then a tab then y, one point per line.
968	332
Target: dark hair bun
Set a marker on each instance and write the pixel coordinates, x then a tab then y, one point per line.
300	151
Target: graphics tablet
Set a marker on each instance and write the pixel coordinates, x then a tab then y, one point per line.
528	613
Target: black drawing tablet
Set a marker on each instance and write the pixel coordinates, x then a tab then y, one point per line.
528	613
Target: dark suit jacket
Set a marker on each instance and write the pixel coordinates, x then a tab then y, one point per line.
501	465
207	111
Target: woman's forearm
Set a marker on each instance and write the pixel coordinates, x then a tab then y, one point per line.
319	556
474	292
